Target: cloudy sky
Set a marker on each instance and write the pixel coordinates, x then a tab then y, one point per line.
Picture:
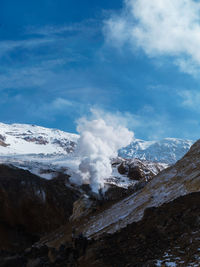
136	61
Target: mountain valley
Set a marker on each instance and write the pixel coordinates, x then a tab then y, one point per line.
147	214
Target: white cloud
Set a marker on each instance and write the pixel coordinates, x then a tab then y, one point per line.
87	26
145	120
48	110
159	27
124	119
60	103
8	46
190	99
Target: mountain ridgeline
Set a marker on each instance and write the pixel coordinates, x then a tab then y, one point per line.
147	215
167	150
31	139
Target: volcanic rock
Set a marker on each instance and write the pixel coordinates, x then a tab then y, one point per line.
82	207
181	179
137	169
31	206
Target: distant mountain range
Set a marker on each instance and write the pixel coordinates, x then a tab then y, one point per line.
168	150
147	206
31	139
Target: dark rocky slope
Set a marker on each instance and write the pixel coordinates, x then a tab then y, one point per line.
169	233
31	206
156	226
180	179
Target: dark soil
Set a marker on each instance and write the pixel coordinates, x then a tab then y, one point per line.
31	207
168	233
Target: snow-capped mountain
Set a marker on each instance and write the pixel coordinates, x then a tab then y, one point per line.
31	139
181	179
19	139
161	218
168	150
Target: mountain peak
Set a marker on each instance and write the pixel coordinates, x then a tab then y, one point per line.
32	139
167	150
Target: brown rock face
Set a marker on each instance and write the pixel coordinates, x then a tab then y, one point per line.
136	173
167	234
2	141
31	206
82	207
39	140
123	168
137	169
157	225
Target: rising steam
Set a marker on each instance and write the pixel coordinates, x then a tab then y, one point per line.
98	143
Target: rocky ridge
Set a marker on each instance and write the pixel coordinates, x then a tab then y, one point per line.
161	219
181	179
31	206
147	207
167	150
166	236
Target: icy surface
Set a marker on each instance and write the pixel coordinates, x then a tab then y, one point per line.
18	139
67	164
168	150
21	139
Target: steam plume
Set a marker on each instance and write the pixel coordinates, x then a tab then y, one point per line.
98	143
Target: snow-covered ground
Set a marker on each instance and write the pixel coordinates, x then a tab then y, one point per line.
38	164
45	151
168	150
48	166
18	139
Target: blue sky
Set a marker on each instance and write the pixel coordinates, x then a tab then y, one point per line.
135	61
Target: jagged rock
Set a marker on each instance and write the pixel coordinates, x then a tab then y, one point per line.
115	193
123	168
180	179
137	169
166	234
13	261
169	233
136	173
2	141
144	227
31	206
82	207
167	150
40	140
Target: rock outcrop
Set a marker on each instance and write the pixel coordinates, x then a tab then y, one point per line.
166	236
31	206
157	225
137	169
181	179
